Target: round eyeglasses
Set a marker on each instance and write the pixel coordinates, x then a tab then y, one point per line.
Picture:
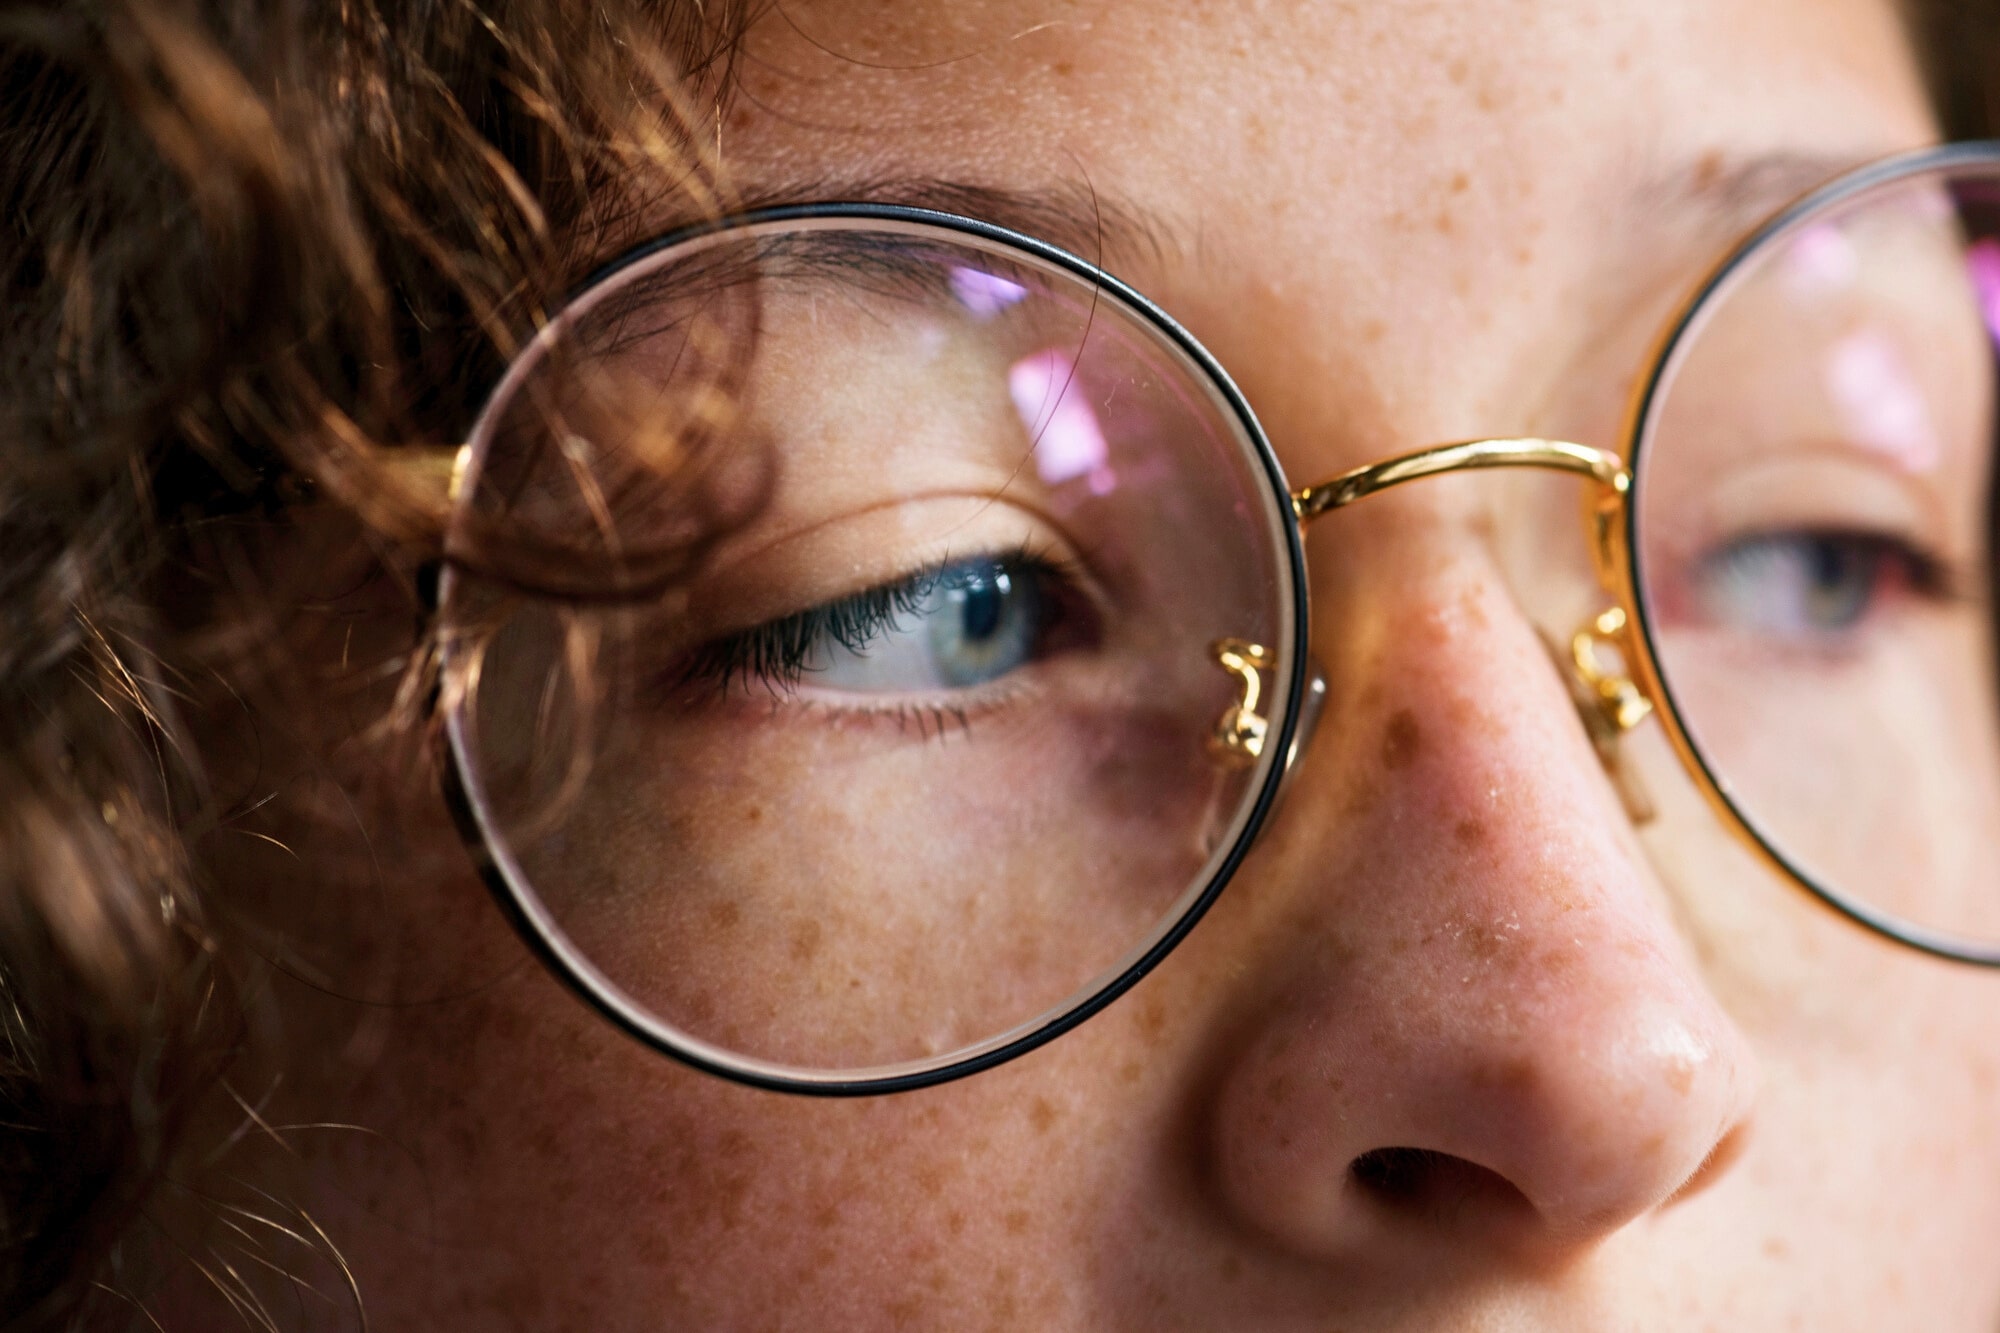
934	641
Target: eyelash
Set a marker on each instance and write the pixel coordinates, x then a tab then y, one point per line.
775	653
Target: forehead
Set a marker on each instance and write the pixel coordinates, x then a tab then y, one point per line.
1423	179
1168	98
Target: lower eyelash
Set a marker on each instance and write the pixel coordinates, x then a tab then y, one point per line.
924	719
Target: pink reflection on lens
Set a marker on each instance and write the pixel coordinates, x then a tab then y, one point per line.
1069	443
1882	402
1982	261
984	294
1820	261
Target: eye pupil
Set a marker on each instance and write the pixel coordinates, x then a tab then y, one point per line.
1841	582
982	602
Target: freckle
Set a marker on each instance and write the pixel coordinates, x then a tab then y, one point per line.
1469	832
1374	331
1471	605
1152	1021
727	1195
1456	71
1064	68
805	941
929	1178
1510	1076
1402	740
1042	1115
1460	183
506	1026
1445	224
1775	1248
828	1216
954	1222
753	814
734	1144
1707	170
543	1143
1016	1222
725	916
1129	1072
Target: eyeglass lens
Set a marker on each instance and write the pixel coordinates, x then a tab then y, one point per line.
1814	533
926	749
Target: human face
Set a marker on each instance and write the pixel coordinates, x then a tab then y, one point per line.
1459	1047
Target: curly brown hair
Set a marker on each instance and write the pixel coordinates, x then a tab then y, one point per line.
256	252
258	256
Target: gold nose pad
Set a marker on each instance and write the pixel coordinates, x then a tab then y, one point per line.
1608	701
1238	738
1240	734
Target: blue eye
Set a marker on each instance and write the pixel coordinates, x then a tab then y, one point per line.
963	626
951	627
1799	584
981	623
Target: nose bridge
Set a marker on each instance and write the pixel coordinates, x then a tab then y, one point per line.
1609	703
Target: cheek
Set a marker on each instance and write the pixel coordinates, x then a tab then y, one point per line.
526	1166
1880	774
842	892
1896	1127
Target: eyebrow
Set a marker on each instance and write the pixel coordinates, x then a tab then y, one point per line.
1720	194
1728	193
1107	230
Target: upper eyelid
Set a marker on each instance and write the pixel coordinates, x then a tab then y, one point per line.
916	584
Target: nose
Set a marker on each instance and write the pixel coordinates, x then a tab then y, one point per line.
1474	1024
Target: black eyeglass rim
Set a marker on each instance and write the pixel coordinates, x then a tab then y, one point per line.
556	955
1680	334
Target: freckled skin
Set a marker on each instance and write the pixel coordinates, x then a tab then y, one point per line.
1461	1049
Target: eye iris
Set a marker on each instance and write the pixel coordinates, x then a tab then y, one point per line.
1795	584
985	624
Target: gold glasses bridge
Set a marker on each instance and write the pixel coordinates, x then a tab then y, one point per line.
1611	703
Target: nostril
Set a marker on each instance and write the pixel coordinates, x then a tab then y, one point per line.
1425	1182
